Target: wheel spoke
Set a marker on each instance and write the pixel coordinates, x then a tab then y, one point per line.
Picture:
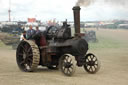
29	55
66	58
92	57
29	49
88	67
91	68
95	66
20	54
65	61
70	61
23	48
63	68
26	46
89	58
29	59
95	60
22	62
69	71
71	67
66	71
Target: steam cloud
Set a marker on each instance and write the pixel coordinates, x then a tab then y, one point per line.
111	2
84	2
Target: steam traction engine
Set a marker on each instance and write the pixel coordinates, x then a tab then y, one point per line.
55	48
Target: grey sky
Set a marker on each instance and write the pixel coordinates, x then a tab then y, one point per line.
62	9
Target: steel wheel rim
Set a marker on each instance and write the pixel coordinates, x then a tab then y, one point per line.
68	65
92	64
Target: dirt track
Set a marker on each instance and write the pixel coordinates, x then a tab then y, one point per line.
114	66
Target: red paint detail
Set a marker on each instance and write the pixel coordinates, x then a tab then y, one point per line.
42	41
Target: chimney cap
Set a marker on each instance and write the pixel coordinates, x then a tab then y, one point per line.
76	8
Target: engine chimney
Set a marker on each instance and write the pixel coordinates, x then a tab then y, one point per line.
76	10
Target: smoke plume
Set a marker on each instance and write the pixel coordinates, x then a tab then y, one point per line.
117	2
86	3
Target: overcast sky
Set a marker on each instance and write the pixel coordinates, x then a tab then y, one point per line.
61	10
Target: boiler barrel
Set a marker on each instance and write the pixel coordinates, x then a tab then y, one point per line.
79	47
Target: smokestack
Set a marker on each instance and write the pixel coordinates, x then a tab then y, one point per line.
76	10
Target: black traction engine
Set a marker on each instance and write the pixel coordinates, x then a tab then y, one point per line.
55	48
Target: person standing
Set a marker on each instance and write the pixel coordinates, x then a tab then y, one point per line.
37	30
23	36
30	32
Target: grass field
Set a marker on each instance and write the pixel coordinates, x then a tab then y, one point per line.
109	41
105	43
2	44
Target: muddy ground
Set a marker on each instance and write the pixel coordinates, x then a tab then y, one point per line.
111	49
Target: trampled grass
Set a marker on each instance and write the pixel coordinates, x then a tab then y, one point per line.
109	40
2	44
105	43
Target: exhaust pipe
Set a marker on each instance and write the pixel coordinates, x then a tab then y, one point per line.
76	10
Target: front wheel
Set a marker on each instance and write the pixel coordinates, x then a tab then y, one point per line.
92	64
67	64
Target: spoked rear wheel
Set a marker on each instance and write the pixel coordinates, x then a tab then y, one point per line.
92	64
67	64
27	56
